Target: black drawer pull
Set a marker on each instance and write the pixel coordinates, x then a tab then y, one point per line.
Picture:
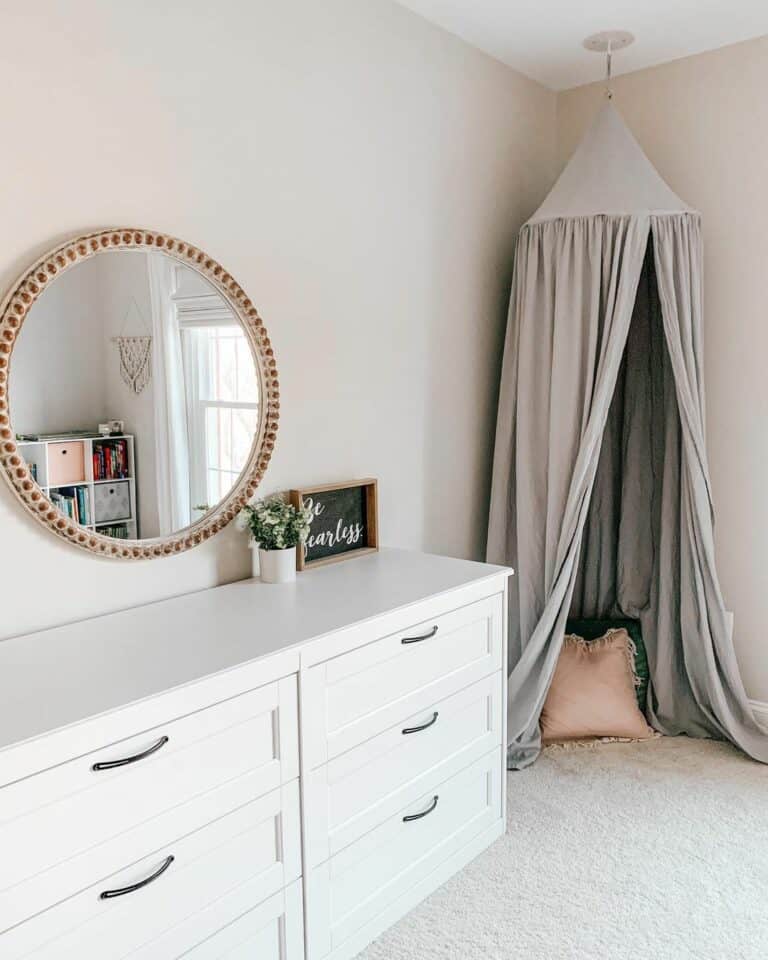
121	891
111	764
426	813
424	726
426	636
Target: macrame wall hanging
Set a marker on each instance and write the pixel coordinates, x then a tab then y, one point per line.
135	351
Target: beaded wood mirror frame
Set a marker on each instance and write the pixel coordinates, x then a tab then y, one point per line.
13	311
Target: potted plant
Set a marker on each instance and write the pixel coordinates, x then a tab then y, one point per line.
277	528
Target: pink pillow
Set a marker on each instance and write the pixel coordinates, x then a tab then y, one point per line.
593	691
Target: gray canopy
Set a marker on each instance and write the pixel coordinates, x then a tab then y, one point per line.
601	498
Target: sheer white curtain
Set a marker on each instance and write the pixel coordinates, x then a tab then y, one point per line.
171	428
197	366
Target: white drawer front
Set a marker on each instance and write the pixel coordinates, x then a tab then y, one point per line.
356	885
217	874
354	792
359	694
55	817
28	898
272	931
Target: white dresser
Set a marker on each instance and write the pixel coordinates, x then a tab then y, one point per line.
253	771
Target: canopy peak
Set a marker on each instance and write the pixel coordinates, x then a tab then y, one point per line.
609	174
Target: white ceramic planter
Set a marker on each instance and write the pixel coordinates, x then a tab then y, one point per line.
276	566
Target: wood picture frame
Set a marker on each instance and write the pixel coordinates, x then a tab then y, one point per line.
330	551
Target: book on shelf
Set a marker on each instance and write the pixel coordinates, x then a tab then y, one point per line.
73	502
119	531
83	505
110	459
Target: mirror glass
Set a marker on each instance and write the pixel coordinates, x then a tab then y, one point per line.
134	394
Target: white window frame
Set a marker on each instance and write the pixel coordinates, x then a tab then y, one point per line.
201	310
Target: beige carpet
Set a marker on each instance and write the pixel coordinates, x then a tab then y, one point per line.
654	851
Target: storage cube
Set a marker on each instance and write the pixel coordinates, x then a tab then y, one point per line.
66	463
112	501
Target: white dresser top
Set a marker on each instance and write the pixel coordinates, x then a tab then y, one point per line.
57	677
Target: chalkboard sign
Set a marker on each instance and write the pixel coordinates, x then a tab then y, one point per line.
344	522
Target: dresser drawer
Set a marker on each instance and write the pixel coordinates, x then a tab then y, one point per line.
201	882
56	816
37	893
354	887
272	931
356	791
359	694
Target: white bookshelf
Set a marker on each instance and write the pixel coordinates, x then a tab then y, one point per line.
37	452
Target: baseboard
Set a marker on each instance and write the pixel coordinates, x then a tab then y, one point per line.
760	710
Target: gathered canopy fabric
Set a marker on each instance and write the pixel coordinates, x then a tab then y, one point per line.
601	498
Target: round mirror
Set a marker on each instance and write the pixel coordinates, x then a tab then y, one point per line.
138	393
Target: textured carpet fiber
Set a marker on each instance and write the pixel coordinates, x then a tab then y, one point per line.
653	851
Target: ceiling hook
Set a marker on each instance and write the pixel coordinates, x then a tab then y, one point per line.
608	42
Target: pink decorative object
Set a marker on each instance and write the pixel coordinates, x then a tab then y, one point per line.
66	463
593	691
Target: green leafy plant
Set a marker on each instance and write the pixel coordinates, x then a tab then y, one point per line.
275	524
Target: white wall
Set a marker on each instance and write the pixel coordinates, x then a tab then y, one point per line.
66	366
57	378
127	310
703	122
361	173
